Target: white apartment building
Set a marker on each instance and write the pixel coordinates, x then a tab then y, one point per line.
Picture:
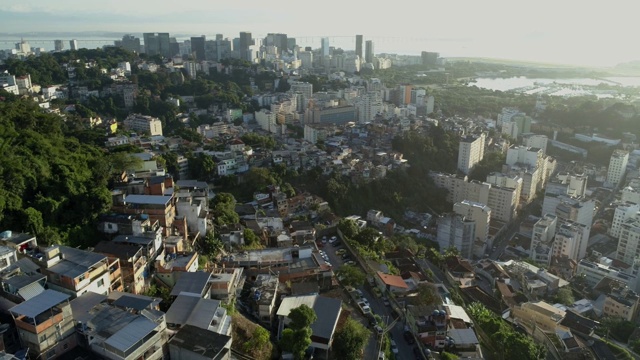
315	132
143	123
542	238
595	272
630	194
568	184
537	141
456	231
571	240
622	213
629	241
479	213
524	155
304	88
267	121
580	209
508	181
617	167
502	201
368	106
471	152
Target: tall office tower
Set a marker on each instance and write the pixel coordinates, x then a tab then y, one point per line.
617	167
359	46
429	58
629	241
368	51
219	37
479	213
455	230
157	44
73	44
150	44
471	152
244	43
174	47
197	47
164	45
291	43
129	42
325	46
58	45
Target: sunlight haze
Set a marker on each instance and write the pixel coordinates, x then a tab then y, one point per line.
567	32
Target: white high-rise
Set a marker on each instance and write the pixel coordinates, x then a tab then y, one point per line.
544	231
456	231
471	152
368	105
622	213
571	240
629	241
479	213
537	141
617	167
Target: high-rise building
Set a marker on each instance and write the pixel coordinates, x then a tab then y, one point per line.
157	44
303	88
629	241
73	44
571	240
129	42
471	152
197	47
58	45
430	58
219	37
537	141
368	105
369	52
544	231
456	231
278	40
359	46
244	43
617	167
621	214
325	46
479	213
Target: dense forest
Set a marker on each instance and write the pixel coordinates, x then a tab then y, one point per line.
51	184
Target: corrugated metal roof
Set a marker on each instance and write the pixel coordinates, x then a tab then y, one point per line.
131	302
81	305
131	334
30	291
463	336
327	311
39	303
191	282
147	199
181	309
203	313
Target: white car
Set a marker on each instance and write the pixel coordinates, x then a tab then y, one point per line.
365	301
366	310
394	347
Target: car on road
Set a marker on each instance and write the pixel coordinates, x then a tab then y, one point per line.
350	263
341	252
377	292
366	310
394	347
379	329
333	239
324	239
408	337
385	301
346	257
365	301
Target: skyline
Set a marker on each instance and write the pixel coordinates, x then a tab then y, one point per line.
550	32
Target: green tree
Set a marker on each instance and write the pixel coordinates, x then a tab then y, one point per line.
368	237
223	209
350	340
426	294
565	296
448	356
297	337
202	166
259	339
351	275
348	227
251	240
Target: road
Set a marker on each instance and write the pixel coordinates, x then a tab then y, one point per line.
405	351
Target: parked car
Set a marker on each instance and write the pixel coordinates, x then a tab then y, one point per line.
408	337
416	352
341	252
377	292
385	301
350	262
379	329
366	310
337	243
394	347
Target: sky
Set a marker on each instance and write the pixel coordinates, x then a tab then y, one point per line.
554	31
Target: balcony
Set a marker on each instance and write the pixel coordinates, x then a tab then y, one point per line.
41	323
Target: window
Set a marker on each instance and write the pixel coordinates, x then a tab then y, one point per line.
43	337
101	283
65	346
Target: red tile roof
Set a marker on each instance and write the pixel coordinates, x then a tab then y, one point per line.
392	280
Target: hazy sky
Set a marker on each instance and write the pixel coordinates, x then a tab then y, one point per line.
559	31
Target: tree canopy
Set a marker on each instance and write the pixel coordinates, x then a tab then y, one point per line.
51	184
350	340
